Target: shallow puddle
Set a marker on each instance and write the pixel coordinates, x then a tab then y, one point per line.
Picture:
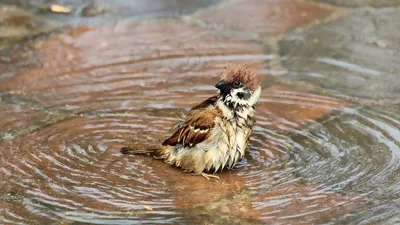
73	170
316	156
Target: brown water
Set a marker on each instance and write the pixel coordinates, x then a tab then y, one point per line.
315	156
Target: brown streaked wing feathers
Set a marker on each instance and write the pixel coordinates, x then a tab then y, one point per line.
206	103
196	128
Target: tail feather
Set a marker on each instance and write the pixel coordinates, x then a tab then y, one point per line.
139	150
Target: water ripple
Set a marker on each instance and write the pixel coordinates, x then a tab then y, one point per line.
73	170
356	153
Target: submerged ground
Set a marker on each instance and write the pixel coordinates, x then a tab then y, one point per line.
79	79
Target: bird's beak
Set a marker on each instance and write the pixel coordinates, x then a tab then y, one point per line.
223	86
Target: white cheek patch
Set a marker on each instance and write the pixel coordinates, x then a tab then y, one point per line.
233	97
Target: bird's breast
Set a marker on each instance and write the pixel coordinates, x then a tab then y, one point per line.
237	135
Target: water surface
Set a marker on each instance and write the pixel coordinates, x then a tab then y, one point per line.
321	152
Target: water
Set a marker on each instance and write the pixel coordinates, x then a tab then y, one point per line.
356	153
319	154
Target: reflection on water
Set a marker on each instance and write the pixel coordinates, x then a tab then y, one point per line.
312	159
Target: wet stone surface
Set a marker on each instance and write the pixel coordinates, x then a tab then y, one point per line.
135	65
267	17
17	57
72	170
82	11
16	117
20	116
363	3
16	24
70	100
356	55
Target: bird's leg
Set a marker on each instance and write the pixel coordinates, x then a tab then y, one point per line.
208	176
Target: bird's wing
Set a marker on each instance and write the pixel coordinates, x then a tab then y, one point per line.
206	103
195	129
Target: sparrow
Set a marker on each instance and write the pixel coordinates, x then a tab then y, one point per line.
214	134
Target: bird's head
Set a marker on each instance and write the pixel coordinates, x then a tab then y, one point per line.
239	86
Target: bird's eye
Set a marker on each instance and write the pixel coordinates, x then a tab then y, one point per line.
236	84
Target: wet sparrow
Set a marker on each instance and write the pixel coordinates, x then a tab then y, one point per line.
214	134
